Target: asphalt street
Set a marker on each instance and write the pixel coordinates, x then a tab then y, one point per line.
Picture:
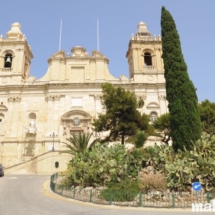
30	195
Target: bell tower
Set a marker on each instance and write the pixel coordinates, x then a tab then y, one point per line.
144	57
146	69
15	55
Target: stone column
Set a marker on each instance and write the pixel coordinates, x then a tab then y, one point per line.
13	117
56	113
97	99
163	105
53	115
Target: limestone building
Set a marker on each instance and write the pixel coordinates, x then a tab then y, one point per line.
37	115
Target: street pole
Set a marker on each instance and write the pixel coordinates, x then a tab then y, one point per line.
53	135
53	143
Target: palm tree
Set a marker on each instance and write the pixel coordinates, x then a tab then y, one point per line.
78	143
140	139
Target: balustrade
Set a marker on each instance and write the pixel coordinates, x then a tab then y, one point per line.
148	68
6	69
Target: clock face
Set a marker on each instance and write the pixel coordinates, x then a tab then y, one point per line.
76	121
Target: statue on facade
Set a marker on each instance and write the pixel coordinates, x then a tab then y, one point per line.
32	127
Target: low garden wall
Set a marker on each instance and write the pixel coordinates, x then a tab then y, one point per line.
150	199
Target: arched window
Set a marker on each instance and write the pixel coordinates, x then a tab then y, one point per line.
147	59
8	61
56	164
153	116
32	116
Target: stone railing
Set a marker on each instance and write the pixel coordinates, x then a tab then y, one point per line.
146	38
148	68
12	39
6	69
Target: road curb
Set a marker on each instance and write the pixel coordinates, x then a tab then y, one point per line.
48	192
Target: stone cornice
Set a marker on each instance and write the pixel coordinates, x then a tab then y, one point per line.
144	42
152	72
49	86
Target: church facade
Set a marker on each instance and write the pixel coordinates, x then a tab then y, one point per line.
38	115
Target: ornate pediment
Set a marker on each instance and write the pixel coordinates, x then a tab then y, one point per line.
3	108
58	55
96	53
153	105
74	114
75	121
79	51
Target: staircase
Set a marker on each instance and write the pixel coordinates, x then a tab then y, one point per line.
45	163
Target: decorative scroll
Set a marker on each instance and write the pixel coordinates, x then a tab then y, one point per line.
97	97
141	97
96	53
53	98
162	97
14	99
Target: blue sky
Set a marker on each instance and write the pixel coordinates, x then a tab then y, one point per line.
118	19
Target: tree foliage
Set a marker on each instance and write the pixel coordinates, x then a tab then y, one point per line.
162	124
185	122
78	143
121	116
207	114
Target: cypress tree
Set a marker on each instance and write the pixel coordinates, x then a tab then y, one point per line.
185	124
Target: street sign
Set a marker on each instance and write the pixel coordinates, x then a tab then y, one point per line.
196	186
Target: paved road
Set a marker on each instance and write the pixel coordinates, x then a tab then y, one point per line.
25	195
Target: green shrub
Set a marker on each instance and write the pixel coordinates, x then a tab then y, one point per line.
140	139
103	165
125	190
184	167
107	166
157	156
195	165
